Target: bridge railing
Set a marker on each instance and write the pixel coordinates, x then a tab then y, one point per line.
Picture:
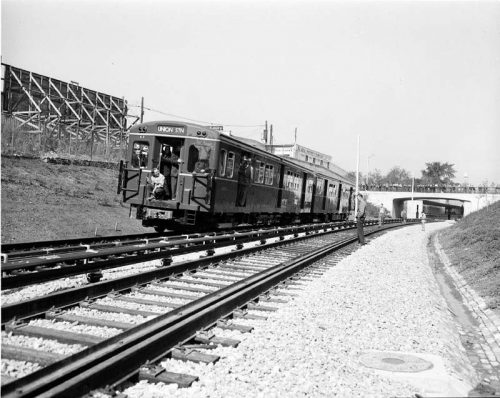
431	188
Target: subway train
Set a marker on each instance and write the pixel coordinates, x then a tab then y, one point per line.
215	181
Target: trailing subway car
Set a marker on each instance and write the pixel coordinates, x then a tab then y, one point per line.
213	180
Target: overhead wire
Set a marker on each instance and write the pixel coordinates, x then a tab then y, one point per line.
198	121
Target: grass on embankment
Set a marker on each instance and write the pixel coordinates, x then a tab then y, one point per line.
42	201
473	246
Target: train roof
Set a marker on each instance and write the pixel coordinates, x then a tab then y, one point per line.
321	170
247	144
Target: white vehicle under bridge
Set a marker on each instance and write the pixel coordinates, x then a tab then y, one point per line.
213	180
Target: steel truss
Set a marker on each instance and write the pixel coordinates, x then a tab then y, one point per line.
43	104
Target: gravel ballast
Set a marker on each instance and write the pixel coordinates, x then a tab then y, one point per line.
383	299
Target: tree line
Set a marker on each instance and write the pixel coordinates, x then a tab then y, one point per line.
434	173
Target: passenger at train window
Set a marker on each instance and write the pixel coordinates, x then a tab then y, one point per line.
155	185
201	166
138	160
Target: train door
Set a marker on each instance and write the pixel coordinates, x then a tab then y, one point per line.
303	190
325	191
313	197
280	186
167	158
133	174
339	197
195	184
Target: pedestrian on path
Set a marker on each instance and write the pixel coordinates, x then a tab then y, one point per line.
381	215
360	218
403	216
422	218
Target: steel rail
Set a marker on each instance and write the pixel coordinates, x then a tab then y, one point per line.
120	256
42	247
21	246
37	306
122	356
48	251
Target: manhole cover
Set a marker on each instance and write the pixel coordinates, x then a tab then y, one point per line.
394	362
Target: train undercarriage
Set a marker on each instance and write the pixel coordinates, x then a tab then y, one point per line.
192	220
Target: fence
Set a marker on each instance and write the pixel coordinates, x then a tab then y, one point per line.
432	188
22	140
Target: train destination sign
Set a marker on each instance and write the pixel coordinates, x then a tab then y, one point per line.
171	129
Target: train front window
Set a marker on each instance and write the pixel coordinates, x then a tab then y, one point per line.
198	158
140	154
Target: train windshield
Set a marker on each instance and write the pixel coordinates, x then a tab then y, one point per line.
140	154
198	158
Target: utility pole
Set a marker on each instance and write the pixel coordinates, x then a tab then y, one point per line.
264	134
271	139
357	181
142	109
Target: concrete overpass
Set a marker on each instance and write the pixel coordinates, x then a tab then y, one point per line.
458	203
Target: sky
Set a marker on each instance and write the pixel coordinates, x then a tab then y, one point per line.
417	81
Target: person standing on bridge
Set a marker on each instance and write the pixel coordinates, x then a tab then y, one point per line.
360	218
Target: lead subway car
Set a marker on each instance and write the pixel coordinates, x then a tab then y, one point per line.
222	181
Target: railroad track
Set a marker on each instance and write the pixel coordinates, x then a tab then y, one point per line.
13	251
165	310
52	263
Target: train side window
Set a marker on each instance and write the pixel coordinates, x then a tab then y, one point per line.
310	186
331	190
260	173
230	165
296	180
319	187
269	176
222	162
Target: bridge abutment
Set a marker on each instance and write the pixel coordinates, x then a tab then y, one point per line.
458	204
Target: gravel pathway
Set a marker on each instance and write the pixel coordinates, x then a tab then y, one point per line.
382	299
